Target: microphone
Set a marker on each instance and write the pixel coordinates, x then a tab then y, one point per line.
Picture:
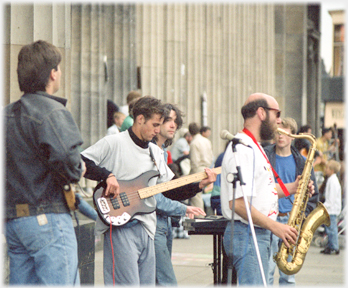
228	136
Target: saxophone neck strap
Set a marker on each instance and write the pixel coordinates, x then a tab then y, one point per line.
280	182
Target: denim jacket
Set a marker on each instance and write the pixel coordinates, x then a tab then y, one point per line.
300	163
42	156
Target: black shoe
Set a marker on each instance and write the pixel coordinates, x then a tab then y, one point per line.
325	251
332	252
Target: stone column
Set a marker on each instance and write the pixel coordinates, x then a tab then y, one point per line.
27	23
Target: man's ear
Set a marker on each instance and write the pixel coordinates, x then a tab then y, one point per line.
53	75
261	113
140	119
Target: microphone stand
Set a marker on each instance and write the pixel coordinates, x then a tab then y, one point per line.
238	177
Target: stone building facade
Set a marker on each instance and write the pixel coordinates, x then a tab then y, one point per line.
178	52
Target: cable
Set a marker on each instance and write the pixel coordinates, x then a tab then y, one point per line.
113	256
249	229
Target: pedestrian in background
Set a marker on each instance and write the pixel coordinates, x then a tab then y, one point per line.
201	157
333	205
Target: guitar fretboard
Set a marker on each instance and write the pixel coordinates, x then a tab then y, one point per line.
166	186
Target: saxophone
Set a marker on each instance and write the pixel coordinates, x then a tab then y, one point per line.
305	226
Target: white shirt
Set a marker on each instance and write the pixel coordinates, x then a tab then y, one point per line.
259	188
124	109
333	197
119	154
112	130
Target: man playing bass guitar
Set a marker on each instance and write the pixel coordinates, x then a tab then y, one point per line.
129	256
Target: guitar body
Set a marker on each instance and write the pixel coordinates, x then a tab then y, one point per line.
127	204
133	196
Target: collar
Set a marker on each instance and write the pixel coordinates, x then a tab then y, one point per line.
58	99
136	140
164	148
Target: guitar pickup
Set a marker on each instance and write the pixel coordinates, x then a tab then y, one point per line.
103	205
114	203
124	199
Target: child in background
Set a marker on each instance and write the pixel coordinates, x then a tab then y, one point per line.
333	205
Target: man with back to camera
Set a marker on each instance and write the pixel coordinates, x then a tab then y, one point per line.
261	115
42	156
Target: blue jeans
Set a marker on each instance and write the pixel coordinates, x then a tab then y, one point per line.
244	254
275	243
42	250
165	275
85	208
134	256
332	233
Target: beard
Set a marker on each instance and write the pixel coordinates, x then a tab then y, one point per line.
267	132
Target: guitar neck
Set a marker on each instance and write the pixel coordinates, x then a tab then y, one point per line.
166	186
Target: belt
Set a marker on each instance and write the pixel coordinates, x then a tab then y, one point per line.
283	214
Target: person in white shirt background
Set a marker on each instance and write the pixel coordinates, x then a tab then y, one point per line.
333	204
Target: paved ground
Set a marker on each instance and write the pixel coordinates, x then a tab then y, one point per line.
191	259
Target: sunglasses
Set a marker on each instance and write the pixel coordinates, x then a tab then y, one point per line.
278	111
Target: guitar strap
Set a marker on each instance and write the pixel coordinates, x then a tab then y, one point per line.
153	158
280	182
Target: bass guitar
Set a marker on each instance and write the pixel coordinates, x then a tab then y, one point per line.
131	200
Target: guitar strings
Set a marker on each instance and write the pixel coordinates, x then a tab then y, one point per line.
149	191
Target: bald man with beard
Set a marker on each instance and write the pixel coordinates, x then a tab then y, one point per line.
261	116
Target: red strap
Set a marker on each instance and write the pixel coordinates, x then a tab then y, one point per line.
113	256
280	182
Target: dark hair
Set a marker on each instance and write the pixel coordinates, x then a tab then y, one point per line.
148	106
204	129
249	110
35	63
325	130
193	128
179	114
304	128
169	107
